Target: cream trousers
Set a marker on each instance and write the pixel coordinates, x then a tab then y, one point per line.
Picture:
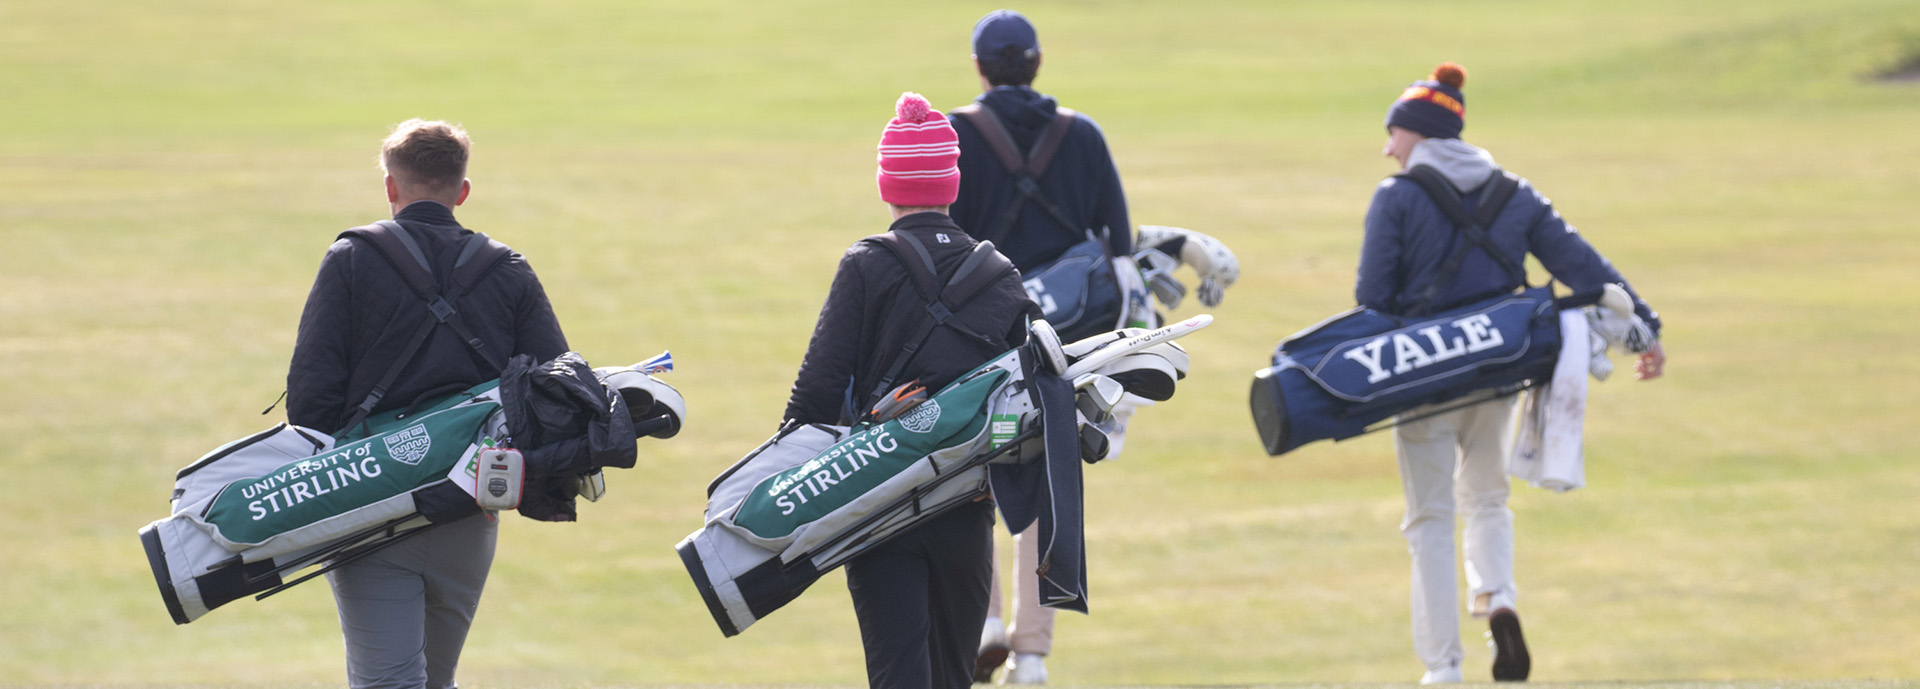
1455	462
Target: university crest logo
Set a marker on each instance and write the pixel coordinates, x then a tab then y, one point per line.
922	418
409	446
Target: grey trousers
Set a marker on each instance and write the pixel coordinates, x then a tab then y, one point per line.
405	610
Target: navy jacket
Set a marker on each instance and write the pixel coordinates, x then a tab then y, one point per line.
872	308
1408	239
360	314
1081	180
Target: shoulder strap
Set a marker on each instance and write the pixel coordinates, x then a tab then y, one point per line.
397	245
918	262
1050	139
981	268
1034	162
1025	169
983	119
1475	227
478	256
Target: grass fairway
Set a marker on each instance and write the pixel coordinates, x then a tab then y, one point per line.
686	175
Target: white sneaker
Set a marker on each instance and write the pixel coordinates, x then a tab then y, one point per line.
1447	675
993	650
1026	668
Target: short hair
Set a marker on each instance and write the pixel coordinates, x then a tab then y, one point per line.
427	155
1010	67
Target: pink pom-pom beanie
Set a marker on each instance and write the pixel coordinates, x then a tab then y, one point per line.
919	156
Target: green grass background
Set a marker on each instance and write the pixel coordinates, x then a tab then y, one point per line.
685	176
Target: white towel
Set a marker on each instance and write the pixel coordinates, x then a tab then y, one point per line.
1548	451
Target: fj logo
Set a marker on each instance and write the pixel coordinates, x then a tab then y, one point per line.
409	446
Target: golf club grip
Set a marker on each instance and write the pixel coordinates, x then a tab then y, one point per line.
647	427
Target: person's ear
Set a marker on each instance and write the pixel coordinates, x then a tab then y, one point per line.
393	190
466	187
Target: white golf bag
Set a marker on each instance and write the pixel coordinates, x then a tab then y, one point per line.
815	496
260	508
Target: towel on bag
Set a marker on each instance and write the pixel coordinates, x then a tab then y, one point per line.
1548	451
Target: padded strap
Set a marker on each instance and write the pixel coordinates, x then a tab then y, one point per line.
1049	143
981	268
926	278
477	257
397	244
1025	169
996	135
1475	226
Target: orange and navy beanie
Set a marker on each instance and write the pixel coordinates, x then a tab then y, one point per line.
1433	107
919	156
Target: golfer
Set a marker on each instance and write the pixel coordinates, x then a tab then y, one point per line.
405	610
920	597
1083	184
1457	459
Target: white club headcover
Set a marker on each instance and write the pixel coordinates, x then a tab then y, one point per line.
659	399
1615	320
1147	374
1150	372
1079	349
1613	296
1045	342
1174	354
1091	354
1210	258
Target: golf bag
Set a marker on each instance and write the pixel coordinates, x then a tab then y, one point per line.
815	496
1338	378
257	509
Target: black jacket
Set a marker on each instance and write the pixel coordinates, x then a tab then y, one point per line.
360	313
1081	180
873	307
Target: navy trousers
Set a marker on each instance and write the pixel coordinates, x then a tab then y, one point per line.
921	599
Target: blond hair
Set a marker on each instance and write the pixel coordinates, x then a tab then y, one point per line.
427	156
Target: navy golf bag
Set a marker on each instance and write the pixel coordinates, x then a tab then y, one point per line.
1340	377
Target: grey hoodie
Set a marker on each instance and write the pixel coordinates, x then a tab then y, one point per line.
1465	165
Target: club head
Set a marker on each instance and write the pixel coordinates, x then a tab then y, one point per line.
1096	395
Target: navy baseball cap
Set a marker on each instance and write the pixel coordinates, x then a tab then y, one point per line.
1000	30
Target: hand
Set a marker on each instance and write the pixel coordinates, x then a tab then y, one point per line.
1651	364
